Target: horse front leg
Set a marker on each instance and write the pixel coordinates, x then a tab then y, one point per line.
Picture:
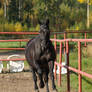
46	81
39	71
35	80
51	67
41	84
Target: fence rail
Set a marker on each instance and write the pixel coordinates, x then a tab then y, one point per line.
79	70
20	33
12	48
16	40
66	50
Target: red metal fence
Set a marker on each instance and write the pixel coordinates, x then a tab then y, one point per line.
66	50
78	71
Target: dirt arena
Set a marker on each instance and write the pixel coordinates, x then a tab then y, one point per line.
18	82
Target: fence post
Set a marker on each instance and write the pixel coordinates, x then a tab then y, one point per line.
55	45
20	43
60	62
79	67
85	38
68	74
64	42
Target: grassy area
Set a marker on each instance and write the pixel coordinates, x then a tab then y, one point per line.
12	44
86	67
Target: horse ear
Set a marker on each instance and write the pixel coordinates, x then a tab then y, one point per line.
47	21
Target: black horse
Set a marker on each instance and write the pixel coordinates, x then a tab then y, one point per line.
40	55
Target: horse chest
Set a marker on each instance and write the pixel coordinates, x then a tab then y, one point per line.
46	55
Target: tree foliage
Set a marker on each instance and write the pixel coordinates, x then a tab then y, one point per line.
63	14
85	1
13	11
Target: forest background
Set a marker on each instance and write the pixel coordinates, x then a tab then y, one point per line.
23	15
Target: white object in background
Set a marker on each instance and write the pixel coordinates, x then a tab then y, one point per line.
15	66
63	70
1	66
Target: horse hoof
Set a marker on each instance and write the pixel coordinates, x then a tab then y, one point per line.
41	85
37	90
55	90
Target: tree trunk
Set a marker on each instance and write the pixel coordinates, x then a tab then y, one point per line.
5	9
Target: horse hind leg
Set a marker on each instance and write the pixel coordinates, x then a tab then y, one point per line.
46	81
52	76
41	84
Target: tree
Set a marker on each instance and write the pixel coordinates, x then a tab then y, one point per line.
85	1
13	11
89	2
81	1
5	8
28	11
1	3
20	9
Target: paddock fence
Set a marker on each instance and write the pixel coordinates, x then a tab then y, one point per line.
63	49
67	66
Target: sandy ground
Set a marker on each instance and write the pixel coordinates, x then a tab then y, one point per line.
18	82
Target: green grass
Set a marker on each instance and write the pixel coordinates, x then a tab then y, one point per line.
12	44
86	67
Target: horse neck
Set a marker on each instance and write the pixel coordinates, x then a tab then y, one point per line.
44	42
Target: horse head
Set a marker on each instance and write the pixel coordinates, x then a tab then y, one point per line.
44	30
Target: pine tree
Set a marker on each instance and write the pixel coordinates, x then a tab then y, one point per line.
0	4
13	11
